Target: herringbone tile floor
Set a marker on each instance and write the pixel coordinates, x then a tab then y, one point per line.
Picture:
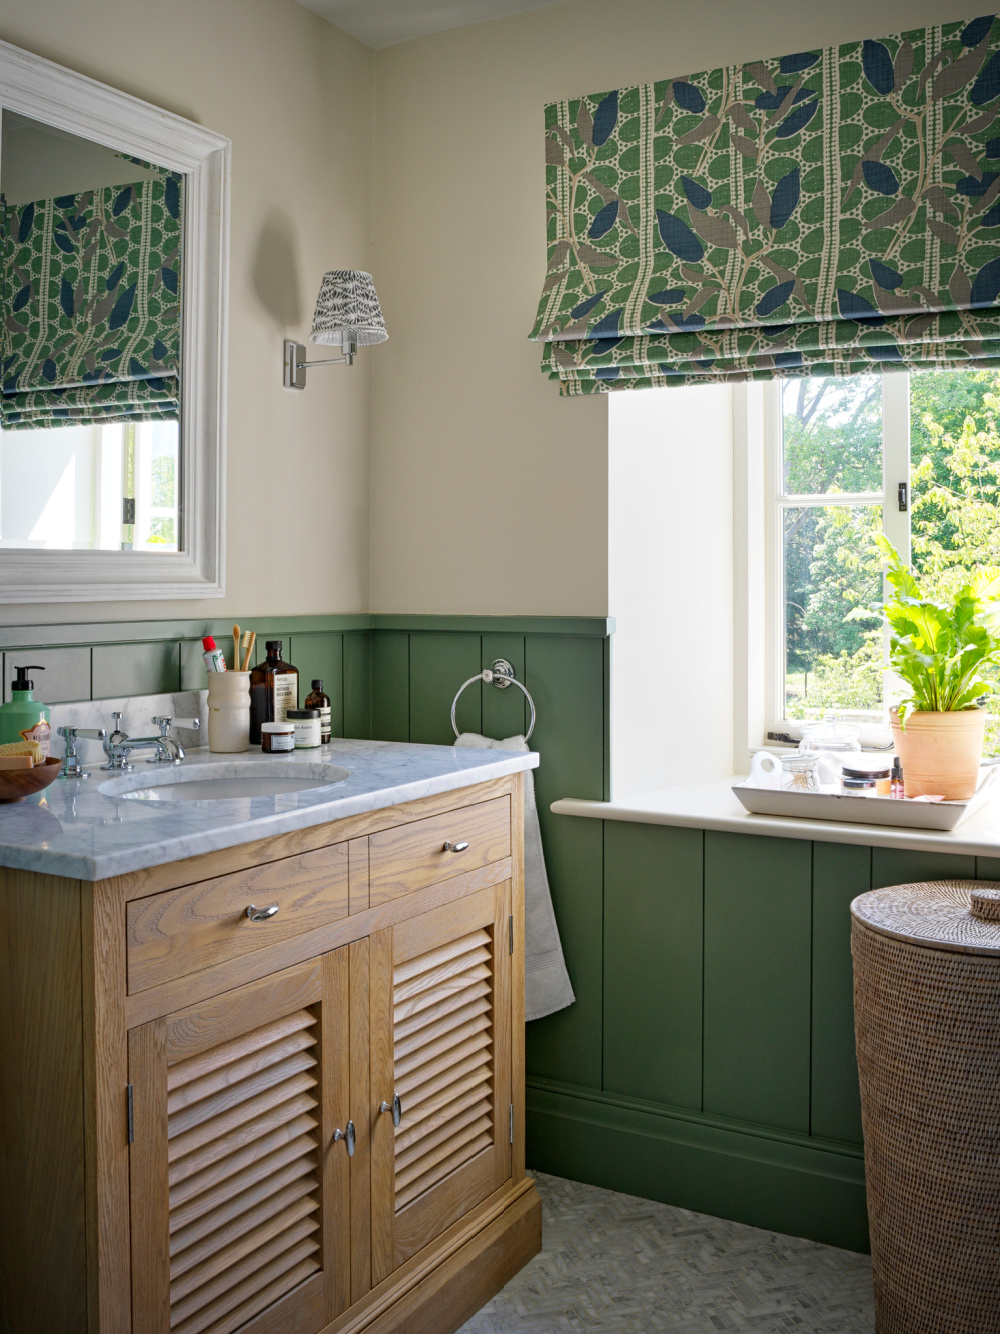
614	1264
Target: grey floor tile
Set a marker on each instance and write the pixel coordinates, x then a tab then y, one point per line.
614	1264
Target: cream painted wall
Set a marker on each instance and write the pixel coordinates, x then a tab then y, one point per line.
670	577
295	96
473	452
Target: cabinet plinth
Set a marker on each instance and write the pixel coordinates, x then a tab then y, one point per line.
220	1123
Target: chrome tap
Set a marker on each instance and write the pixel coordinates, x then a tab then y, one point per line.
119	745
164	723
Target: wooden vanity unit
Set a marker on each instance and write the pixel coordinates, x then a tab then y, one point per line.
180	1084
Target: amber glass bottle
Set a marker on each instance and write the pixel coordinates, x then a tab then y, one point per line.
274	689
317	700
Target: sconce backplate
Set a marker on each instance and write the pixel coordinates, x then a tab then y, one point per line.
294	369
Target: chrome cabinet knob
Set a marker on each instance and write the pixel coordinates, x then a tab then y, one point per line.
396	1107
261	914
348	1136
460	846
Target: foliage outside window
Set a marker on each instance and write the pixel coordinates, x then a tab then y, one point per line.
837	492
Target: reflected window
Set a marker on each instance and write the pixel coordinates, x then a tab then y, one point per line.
91	252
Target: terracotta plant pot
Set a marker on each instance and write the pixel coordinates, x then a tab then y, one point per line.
940	752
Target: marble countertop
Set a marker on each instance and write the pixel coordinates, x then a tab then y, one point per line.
75	829
712	805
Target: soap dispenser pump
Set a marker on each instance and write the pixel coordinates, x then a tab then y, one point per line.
25	718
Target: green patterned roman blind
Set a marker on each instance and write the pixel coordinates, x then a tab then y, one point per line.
91	293
830	212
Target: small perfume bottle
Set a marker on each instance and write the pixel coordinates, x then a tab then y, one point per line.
896	788
317	700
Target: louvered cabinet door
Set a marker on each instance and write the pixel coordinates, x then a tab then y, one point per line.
239	1193
441	1043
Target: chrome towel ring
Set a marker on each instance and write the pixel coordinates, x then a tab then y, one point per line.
501	675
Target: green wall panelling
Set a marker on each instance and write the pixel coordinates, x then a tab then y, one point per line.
123	632
599	626
193	671
841	872
565	675
785	1185
896	866
758	928
439	663
653	906
390	685
357	684
66	676
505	712
988	868
135	669
321	655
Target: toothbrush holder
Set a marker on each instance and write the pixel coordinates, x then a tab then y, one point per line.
228	712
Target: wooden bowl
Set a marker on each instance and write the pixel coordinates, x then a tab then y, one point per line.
16	784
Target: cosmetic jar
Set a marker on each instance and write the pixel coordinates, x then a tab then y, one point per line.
277	736
875	770
308	732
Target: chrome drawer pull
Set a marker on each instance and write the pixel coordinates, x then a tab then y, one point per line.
261	914
396	1107
348	1136
456	847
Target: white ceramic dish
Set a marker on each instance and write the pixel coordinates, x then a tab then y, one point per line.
863	810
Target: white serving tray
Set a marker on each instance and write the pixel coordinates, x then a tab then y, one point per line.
864	810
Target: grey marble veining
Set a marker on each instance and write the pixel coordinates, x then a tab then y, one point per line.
138	713
93	829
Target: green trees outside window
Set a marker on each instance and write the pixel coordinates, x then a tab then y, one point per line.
832	445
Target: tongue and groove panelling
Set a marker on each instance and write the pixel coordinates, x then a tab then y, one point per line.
415	674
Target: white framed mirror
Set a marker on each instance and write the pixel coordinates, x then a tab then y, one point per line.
114	227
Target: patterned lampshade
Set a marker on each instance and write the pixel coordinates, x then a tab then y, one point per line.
347	310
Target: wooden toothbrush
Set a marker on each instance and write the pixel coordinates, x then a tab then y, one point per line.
236	648
249	640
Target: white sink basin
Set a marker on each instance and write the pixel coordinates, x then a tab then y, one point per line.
228	780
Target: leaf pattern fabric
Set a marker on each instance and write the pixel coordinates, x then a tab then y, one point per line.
828	212
92	306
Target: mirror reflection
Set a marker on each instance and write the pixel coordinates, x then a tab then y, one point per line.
90	251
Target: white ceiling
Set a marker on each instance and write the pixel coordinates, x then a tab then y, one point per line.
381	23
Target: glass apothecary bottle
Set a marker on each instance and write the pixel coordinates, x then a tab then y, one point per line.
318	700
274	689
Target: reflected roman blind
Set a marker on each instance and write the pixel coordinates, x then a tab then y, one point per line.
827	212
91	291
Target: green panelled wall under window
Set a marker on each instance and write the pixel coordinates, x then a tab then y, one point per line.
709	1058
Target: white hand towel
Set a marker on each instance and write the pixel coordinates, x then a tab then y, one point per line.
547	987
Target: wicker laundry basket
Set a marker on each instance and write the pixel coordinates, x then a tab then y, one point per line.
927	1021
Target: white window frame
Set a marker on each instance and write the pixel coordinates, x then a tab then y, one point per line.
759	502
69	101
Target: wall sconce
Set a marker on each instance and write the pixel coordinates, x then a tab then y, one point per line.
347	315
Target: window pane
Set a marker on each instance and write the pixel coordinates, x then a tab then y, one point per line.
831	435
955	473
833	611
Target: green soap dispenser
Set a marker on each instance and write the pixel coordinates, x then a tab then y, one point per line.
25	718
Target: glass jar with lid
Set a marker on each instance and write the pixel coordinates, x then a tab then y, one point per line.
829	734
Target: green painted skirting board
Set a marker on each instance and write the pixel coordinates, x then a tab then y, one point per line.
786	1183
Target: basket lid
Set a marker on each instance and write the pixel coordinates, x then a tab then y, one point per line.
961	915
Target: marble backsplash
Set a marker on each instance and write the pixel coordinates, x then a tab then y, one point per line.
138	712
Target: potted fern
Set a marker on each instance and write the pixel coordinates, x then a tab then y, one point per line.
938	650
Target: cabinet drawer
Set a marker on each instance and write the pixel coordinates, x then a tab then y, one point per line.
413	856
198	926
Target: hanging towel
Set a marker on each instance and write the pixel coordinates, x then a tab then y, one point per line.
547	987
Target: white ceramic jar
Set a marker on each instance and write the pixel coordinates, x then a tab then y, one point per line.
228	712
